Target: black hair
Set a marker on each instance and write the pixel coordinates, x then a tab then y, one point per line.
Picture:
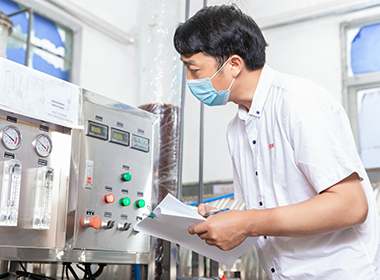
222	31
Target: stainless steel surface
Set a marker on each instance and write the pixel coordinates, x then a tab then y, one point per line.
182	117
110	236
14	239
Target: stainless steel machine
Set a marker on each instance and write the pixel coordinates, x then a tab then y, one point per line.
112	167
76	172
37	114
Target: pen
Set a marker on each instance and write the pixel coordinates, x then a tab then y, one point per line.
212	212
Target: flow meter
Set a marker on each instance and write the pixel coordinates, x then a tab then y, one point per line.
11	137
9	191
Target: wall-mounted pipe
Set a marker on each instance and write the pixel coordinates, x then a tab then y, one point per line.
341	11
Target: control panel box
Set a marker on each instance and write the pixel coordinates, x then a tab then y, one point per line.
111	177
34	170
37	115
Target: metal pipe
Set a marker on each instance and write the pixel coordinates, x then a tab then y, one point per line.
18	12
351	9
212	199
201	266
30	11
181	116
201	148
201	145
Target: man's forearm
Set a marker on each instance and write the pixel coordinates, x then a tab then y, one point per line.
341	206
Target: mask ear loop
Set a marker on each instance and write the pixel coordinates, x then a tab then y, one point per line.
220	68
233	80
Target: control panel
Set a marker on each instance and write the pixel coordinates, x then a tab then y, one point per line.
34	169
111	184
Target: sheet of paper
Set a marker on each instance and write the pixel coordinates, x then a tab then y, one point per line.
38	95
171	221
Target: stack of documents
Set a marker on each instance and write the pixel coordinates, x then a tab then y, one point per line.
171	220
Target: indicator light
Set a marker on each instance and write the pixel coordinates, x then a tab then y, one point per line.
126	201
125	177
140	203
95	222
109	198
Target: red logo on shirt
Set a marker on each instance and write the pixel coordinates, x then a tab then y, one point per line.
271	146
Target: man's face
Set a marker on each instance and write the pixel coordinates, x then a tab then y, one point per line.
200	66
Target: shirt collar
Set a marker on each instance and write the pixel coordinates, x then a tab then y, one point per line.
260	95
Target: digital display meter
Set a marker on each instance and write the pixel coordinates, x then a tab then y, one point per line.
97	130
140	143
119	136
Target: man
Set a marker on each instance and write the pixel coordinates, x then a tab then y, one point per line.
295	163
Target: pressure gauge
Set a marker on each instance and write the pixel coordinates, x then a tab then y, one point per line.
11	137
43	145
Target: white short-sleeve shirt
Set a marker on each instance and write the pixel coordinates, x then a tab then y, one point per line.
295	142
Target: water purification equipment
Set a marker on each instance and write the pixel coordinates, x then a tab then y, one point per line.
37	115
77	172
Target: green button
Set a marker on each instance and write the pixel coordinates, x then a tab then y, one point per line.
140	203
126	177
125	201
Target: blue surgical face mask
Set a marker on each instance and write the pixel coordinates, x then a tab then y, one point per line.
205	92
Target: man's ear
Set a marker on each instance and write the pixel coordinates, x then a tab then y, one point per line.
236	64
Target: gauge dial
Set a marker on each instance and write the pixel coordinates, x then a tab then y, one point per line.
11	137
43	145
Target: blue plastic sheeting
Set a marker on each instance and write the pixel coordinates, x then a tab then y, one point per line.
16	54
365	50
44	66
46	29
369	129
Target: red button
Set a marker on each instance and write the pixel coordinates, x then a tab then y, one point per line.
95	222
109	198
89	180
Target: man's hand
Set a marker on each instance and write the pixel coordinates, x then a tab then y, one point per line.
203	208
225	230
340	206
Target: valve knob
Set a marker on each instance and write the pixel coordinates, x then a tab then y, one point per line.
94	222
108	224
124	226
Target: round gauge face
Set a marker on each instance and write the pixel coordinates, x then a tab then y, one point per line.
11	137
43	145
